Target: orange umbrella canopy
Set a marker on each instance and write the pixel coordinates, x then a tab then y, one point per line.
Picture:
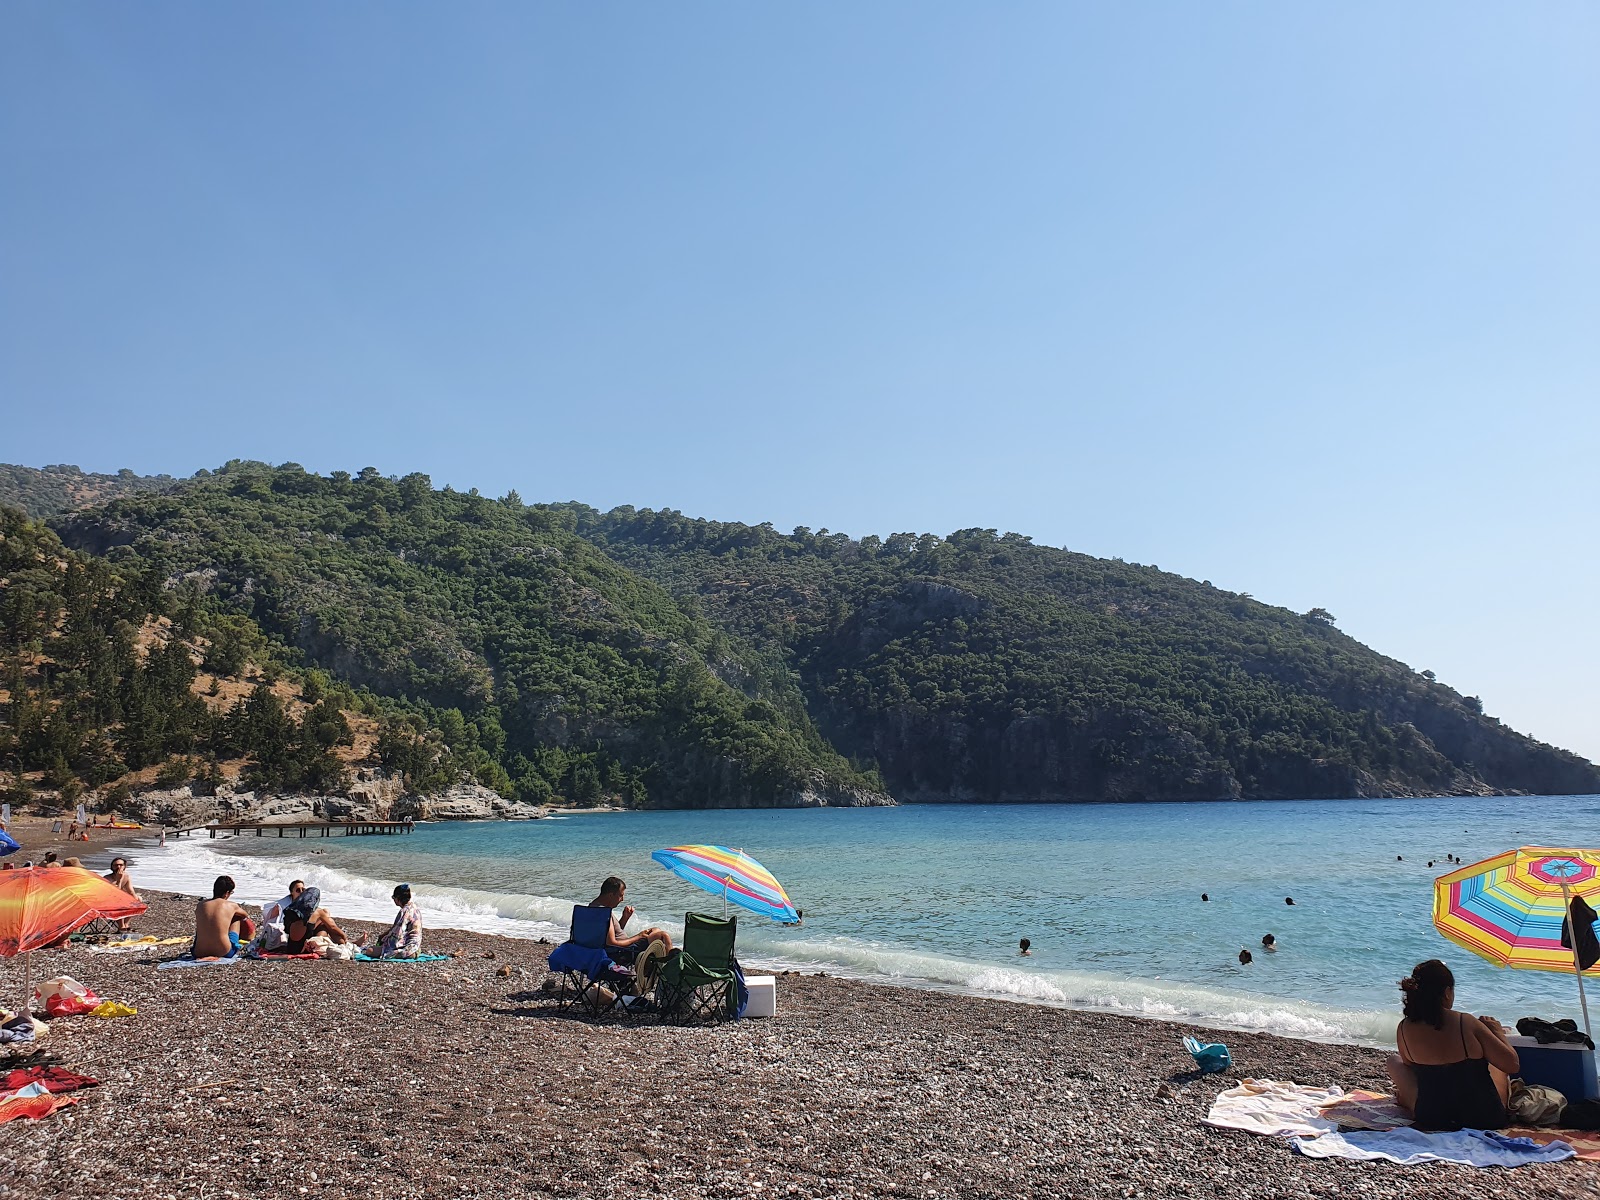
42	905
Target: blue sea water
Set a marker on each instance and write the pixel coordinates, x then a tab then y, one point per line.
939	896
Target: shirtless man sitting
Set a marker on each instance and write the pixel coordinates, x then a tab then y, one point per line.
621	948
215	935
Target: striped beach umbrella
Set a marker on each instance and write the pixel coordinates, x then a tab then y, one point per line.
731	874
1508	909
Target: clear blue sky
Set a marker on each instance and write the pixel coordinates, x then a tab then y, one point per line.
1301	299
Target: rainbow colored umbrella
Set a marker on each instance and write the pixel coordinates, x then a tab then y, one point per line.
731	874
1509	909
39	906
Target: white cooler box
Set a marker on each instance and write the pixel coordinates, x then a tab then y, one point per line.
763	995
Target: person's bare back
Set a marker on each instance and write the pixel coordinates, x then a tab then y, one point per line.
214	920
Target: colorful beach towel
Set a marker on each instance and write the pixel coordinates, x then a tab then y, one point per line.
1585	1143
33	1101
1408	1147
129	945
421	958
1274	1109
173	964
52	1079
1359	1109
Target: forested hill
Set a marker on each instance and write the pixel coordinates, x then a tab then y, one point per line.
983	667
668	661
580	679
51	491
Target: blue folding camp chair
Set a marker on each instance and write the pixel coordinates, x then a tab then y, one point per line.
589	979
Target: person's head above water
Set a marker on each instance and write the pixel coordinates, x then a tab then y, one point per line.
1245	956
1203	896
222	888
1288	899
1269	940
1023	945
1427	992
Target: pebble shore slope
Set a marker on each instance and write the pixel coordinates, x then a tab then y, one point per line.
273	1081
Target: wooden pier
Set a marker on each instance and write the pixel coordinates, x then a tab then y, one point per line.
314	828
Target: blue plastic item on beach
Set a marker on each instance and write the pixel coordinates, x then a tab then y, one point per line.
590	925
1211	1056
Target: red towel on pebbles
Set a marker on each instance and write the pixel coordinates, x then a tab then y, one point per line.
55	1079
12	1107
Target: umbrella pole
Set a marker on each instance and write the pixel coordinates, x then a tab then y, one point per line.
27	984
725	904
1577	969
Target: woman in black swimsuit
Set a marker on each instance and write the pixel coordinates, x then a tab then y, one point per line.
1454	1069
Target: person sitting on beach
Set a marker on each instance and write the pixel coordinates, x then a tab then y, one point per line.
623	949
305	918
1454	1069
275	910
404	937
50	859
118	875
220	924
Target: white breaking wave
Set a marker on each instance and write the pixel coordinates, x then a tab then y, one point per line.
190	867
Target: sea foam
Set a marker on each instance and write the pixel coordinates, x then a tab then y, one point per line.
190	867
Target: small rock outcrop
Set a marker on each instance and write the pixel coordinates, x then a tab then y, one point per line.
372	796
465	802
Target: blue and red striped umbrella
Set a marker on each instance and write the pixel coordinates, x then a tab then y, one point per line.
731	874
1509	908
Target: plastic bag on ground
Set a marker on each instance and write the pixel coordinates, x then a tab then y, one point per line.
64	996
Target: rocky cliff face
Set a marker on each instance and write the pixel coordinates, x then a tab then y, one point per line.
373	796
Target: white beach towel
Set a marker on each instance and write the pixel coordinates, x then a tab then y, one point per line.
1275	1109
1408	1147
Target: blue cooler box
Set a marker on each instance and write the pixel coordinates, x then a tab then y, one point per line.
1565	1066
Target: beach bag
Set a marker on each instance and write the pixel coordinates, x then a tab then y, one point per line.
64	996
1211	1057
1535	1103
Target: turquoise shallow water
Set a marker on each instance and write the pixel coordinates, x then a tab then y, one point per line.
939	896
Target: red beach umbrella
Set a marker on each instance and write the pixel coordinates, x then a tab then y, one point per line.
39	906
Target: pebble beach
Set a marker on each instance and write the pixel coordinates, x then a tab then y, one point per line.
460	1079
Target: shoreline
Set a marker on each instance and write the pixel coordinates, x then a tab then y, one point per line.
456	1078
1145	999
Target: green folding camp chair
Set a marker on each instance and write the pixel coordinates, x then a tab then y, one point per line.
699	982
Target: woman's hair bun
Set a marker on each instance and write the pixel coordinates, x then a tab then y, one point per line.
1408	984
